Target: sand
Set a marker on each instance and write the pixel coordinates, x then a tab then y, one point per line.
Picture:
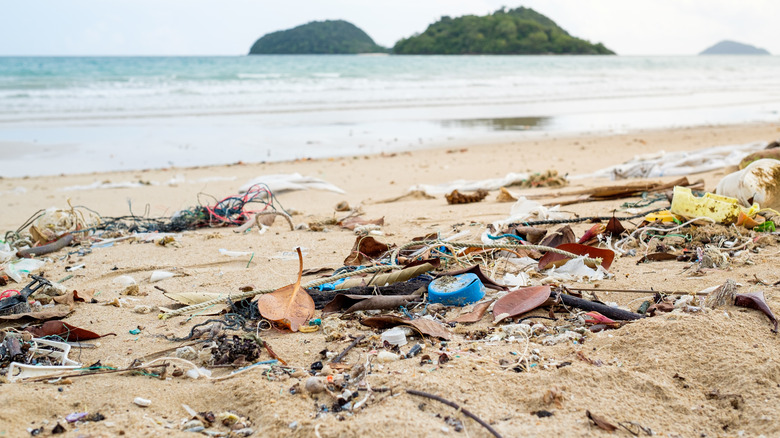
679	374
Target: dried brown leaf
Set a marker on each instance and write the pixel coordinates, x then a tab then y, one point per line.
614	227
365	250
520	301
559	237
601	422
289	306
657	257
475	315
424	326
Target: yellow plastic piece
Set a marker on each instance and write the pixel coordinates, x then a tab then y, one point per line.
721	209
663	216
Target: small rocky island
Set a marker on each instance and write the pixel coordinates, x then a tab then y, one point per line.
317	37
727	47
520	31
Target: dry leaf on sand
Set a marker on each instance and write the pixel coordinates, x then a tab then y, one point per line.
365	250
475	315
755	300
65	331
289	306
520	301
601	422
424	326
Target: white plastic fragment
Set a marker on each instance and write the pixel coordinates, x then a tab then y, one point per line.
142	402
228	253
758	182
124	280
21	268
395	336
386	356
159	276
194	373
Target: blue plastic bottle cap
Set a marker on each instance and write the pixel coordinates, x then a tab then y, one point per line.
459	290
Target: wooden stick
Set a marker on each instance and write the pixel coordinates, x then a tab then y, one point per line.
341	355
87	372
637	291
456	406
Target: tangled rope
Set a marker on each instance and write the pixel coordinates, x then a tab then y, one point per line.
586	219
251	294
393	265
230	211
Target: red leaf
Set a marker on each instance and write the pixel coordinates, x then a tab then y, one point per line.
65	331
591	233
755	300
597	318
520	301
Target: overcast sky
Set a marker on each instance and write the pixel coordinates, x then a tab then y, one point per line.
229	27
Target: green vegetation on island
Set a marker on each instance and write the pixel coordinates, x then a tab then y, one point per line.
317	37
727	47
520	31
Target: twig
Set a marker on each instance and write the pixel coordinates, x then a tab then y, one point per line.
456	406
638	291
88	372
341	355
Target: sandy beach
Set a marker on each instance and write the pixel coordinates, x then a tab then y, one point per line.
705	374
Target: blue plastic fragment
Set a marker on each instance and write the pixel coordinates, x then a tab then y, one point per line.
459	290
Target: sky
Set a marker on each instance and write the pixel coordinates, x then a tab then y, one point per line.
229	27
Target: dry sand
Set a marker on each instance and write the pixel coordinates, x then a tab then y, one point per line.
658	372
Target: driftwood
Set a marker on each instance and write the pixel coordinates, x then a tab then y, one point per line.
617	191
608	311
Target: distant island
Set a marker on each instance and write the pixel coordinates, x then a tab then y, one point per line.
727	47
520	31
317	37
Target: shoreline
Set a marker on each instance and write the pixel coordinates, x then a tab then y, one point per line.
567	154
731	131
474	133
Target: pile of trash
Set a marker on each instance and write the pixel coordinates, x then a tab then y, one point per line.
519	280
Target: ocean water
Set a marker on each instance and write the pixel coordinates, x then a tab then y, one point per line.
85	114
